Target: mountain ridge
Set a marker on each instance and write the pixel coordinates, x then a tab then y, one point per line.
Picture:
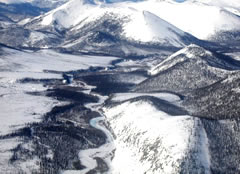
190	68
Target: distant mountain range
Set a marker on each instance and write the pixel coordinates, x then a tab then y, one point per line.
95	26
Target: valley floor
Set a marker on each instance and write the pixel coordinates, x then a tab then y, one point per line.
66	114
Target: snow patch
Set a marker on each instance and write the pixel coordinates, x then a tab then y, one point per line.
235	55
163	96
237	90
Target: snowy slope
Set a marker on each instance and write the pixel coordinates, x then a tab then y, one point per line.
195	17
154	29
218	101
190	68
68	14
151	141
230	5
190	52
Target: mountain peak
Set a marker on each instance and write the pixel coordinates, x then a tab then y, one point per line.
192	51
190	68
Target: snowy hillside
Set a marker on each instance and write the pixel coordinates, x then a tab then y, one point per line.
190	68
152	141
229	5
220	100
191	16
149	140
191	52
154	29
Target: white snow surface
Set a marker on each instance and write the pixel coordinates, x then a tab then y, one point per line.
163	96
6	154
146	27
234	55
37	62
199	18
70	14
229	5
151	141
19	108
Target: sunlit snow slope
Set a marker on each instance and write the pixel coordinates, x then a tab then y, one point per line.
152	141
202	19
230	5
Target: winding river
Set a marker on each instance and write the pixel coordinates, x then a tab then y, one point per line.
105	152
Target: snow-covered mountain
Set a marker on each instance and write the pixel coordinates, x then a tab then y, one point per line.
134	24
87	26
94	25
138	25
123	29
188	16
190	68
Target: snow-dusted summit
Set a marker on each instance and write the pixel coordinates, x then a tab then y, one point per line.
134	24
85	25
